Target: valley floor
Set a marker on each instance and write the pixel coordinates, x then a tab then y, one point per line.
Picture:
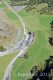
40	48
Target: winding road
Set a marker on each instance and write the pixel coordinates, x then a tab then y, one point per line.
25	32
22	45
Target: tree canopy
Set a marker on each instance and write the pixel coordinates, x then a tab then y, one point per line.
49	2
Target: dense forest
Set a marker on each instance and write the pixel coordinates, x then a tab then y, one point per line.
18	0
40	6
45	73
51	33
33	2
49	2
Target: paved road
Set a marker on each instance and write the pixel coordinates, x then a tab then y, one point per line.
24	44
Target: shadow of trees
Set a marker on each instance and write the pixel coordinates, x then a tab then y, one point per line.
45	73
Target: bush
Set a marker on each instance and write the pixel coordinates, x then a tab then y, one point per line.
42	8
2	48
28	8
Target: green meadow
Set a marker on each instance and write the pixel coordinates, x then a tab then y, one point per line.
2	5
4	61
12	18
40	48
37	52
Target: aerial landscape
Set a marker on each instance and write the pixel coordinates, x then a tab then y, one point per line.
26	39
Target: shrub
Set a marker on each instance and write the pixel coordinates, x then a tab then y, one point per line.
2	48
42	8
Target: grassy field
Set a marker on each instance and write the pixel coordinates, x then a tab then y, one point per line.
2	5
4	61
12	18
37	52
40	49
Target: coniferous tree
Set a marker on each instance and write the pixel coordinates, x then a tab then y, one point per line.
51	38
45	73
